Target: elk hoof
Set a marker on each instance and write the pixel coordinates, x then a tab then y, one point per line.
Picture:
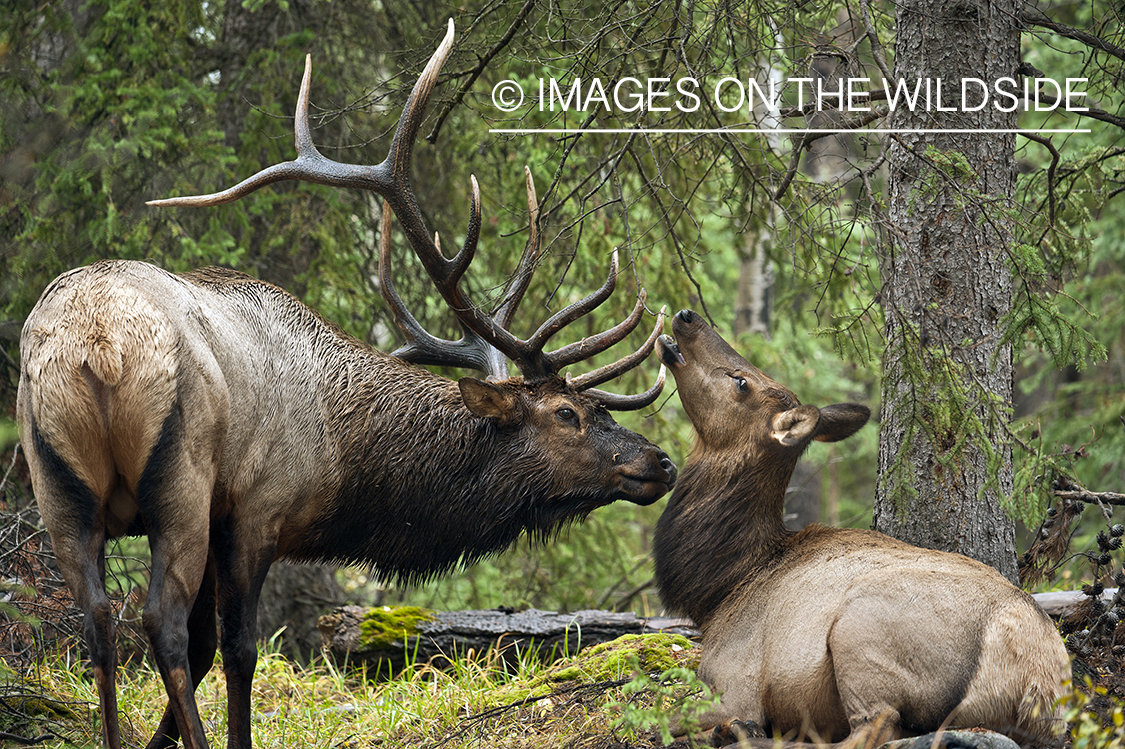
735	731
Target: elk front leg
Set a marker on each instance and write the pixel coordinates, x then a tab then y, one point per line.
723	725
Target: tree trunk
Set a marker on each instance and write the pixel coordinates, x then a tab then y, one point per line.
753	296
945	459
294	597
389	639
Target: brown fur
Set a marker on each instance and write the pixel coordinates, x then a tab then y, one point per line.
848	635
232	425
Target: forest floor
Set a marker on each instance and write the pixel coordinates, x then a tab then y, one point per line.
625	698
621	695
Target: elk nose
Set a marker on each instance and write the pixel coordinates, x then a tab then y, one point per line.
667	464
685	315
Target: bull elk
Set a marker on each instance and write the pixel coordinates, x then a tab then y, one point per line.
838	633
234	426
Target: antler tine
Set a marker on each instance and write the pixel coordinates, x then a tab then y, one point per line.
298	169
522	277
595	344
460	262
564	317
389	178
616	402
421	347
621	366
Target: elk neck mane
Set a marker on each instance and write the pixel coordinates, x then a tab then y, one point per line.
449	487
460	498
723	522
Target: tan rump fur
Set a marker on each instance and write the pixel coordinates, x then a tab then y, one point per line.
73	350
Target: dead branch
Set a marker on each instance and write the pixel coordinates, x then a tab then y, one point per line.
1081	495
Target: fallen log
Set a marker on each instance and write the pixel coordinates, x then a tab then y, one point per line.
385	638
1062	602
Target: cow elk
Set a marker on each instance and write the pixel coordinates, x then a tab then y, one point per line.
839	634
234	426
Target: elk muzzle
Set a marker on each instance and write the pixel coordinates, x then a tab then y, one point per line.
728	400
696	341
648	477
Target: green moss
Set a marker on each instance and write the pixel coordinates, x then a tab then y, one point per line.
567	673
385	626
612	660
38	706
606	662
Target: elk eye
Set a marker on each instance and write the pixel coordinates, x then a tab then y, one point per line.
566	414
740	383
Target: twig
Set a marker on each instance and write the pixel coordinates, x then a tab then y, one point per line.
1091	112
481	65
876	45
7	473
671	232
1046	143
812	136
636	590
1037	17
24	740
492	712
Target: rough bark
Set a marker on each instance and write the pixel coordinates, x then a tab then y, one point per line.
293	597
947	286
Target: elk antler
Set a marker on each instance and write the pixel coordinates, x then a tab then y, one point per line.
487	343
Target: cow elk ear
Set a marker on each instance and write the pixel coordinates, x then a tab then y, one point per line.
796	425
841	420
489	401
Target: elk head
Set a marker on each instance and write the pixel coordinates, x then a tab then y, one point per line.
737	409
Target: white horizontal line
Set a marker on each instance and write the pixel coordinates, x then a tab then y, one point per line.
771	131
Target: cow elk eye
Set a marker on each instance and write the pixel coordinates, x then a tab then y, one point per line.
567	414
740	383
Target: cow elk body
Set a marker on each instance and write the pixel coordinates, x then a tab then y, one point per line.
233	426
838	634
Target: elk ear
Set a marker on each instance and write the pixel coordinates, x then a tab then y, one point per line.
841	420
795	425
490	401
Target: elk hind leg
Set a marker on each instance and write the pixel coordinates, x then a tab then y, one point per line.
174	497
75	520
202	644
